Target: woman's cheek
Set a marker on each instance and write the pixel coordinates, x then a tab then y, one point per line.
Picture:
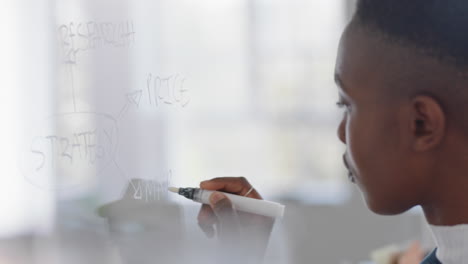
356	146
351	142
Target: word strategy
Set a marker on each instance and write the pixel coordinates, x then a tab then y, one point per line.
84	147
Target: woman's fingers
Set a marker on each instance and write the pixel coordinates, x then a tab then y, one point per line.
207	220
228	226
244	234
222	208
221	213
413	255
234	185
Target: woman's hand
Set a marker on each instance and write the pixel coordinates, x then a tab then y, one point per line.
249	231
413	255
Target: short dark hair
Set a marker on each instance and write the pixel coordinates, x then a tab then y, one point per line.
439	28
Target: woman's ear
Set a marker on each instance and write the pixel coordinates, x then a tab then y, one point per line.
428	122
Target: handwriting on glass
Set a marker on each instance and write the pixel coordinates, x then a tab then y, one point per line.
166	90
159	91
84	147
151	190
79	37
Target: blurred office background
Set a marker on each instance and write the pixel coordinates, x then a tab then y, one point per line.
103	100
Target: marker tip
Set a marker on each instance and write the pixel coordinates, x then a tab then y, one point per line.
173	189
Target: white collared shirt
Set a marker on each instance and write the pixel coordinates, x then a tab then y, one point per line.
452	243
